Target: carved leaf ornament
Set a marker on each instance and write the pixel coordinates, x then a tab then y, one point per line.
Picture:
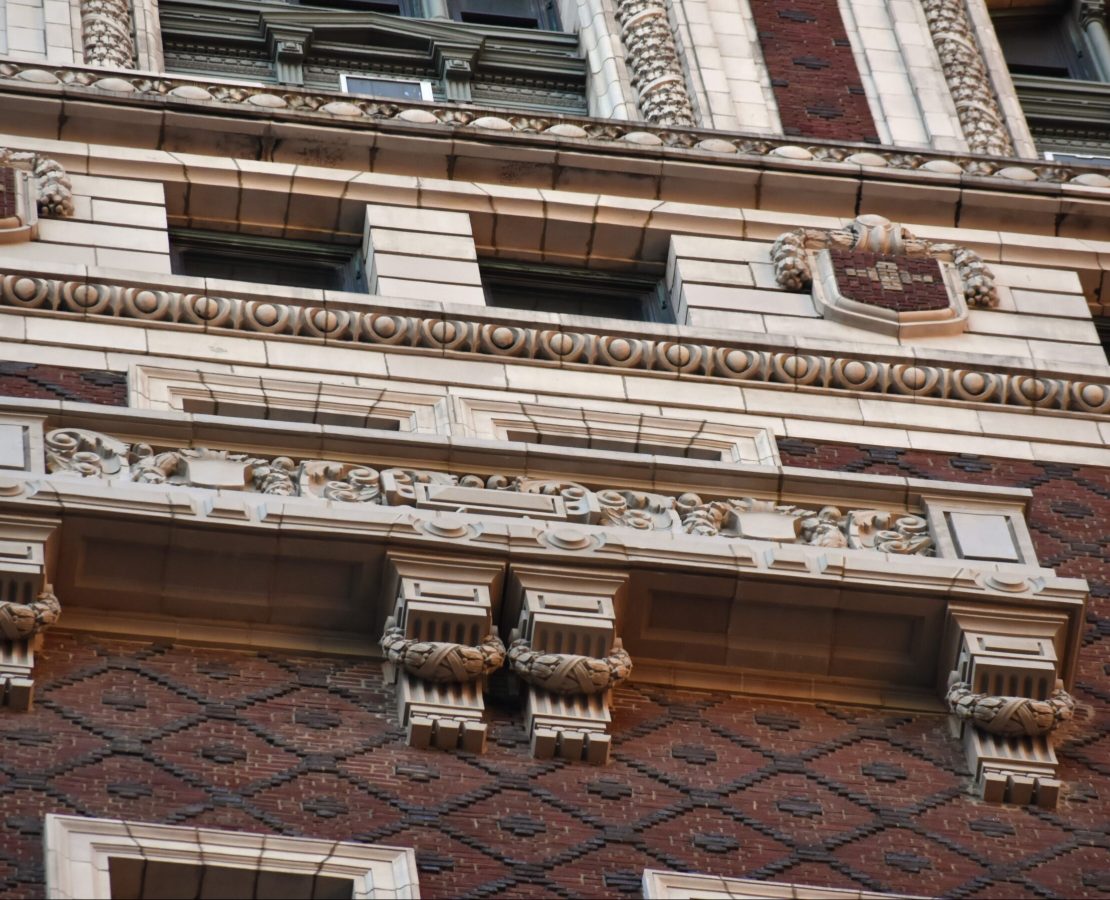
440	661
1010	716
22	620
569	673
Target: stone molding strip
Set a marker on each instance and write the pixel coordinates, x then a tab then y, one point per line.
653	60
726	362
961	60
55	193
20	621
196	95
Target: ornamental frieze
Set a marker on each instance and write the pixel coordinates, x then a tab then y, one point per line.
90	454
727	362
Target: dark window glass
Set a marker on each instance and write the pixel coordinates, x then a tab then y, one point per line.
582	292
511	13
213	254
245	410
140	879
604	443
1048	46
384	87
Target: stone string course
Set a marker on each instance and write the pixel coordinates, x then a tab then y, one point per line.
196	95
727	362
813	71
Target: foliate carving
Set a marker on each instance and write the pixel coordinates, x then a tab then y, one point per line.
568	673
653	62
106	33
1010	716
23	620
90	454
966	73
443	662
55	193
791	254
725	362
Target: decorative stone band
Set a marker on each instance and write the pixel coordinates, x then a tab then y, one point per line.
55	193
878	235
568	673
20	621
1010	716
106	33
89	454
653	58
966	73
439	661
324	107
726	362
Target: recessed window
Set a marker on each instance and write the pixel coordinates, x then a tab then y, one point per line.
109	858
510	13
213	407
393	88
581	292
1049	46
240	257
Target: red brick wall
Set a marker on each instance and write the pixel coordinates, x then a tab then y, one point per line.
700	781
813	72
19	379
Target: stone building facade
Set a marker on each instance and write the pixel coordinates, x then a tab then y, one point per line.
493	448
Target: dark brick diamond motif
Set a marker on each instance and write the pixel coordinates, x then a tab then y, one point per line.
434	863
609	789
908	862
223	753
124	701
993	826
522	826
318	719
802	807
129	790
416	772
896	283
627	881
777	722
695	754
716	843
884	772
325	807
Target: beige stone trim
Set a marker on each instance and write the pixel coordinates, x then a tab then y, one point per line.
352	325
638	138
661	885
78	850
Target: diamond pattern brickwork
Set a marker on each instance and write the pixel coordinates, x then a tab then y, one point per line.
897	283
698	781
20	379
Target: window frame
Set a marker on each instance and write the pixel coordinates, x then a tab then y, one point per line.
78	850
427	92
659	884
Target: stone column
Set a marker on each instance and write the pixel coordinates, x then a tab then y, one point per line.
968	80
654	63
1092	18
106	27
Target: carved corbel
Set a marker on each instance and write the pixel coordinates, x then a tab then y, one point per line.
53	192
1007	700
288	45
566	650
440	646
28	606
456	68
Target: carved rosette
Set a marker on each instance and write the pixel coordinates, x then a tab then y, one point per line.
21	621
1010	716
106	33
653	62
55	193
967	77
567	673
443	662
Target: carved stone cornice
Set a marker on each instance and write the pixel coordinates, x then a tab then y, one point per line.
968	80
106	33
653	61
89	454
55	193
728	362
323	107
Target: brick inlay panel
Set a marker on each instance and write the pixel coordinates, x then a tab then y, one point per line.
20	379
813	72
7	192
898	283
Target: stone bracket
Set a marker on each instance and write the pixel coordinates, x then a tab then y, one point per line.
439	601
566	614
1004	665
